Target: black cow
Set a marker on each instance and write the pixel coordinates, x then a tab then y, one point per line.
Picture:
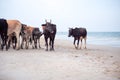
3	32
78	34
0	41
36	34
49	31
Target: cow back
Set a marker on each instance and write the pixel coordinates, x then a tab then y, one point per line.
78	32
14	26
83	32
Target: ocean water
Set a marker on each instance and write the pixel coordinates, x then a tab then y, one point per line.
98	38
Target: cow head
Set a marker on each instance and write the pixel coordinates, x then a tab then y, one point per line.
24	26
48	27
70	32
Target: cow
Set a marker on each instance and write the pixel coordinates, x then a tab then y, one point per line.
49	31
36	34
30	34
78	34
3	32
14	27
26	34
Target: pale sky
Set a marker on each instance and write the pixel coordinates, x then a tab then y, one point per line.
94	15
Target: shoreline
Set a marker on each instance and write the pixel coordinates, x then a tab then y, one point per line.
96	38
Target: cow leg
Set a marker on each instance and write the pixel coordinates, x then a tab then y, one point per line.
33	42
78	43
2	44
2	41
27	43
81	42
18	41
39	42
52	44
13	44
74	43
22	43
8	42
46	41
15	40
85	42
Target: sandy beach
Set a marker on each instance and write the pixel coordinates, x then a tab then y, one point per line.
65	63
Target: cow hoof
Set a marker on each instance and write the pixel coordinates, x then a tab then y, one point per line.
6	48
18	49
51	49
35	47
14	47
76	47
21	47
46	50
2	48
39	47
80	48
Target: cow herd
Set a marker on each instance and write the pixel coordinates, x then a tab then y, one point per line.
12	31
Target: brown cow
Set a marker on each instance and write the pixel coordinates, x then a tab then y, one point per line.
49	31
27	30
28	36
14	26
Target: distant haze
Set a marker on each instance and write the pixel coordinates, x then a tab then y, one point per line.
95	15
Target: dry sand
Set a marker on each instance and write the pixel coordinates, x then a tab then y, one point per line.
65	63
